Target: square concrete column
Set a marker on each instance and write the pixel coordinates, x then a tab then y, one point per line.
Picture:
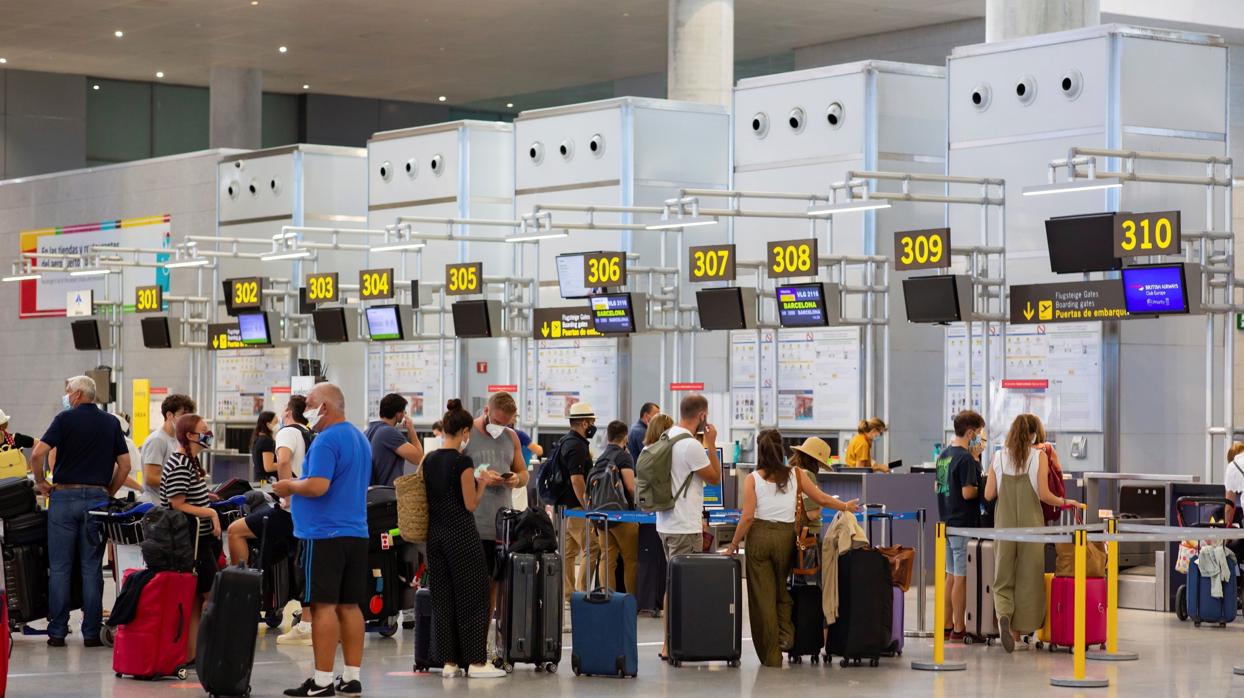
701	51
1012	19
236	97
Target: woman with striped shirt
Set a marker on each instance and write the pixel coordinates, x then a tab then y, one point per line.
183	486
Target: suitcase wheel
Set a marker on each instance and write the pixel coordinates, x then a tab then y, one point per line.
1041	645
182	674
118	674
509	668
550	667
795	659
1196	624
107	634
675	662
733	663
844	662
968	639
1181	602
874	662
815	659
272	619
1222	624
389	627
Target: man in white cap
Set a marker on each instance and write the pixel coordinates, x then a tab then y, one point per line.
575	456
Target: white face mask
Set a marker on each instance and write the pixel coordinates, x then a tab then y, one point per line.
312	416
495	430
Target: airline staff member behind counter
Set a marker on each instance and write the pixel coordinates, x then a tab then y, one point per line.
859	451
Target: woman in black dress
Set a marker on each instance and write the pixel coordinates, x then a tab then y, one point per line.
457	574
263	447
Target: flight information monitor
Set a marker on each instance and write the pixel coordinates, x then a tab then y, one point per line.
802	305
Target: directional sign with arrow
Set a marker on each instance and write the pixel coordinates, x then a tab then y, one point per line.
1067	302
225	335
563	323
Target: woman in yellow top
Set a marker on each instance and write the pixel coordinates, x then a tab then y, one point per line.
859	451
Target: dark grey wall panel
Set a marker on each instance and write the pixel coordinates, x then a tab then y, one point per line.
45	94
394	115
39	144
337	120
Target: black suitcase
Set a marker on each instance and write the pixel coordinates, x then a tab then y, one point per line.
651	575
423	631
384	588
530	622
17	497
865	609
706	609
808	618
27	529
26	581
381	509
226	643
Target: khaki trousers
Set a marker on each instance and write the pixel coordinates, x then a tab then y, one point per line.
623	541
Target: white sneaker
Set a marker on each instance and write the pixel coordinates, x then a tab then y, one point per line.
450	671
298	635
485	671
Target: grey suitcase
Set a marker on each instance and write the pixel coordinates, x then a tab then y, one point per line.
980	618
706	609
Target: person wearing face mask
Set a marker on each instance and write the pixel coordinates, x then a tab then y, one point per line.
183	486
495	447
859	451
958	484
263	446
574	455
1019	480
93	462
162	442
390	451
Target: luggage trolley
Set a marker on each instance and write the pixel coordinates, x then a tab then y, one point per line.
1202	512
122	532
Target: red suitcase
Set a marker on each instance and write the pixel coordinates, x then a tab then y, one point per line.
1062	617
5	643
154	644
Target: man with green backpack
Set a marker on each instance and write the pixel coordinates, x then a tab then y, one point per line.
670	478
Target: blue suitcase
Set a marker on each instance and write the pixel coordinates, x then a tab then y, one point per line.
1204	608
603	629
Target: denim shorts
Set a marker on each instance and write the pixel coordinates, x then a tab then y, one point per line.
957	555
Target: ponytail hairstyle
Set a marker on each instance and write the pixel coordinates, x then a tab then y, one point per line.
456	419
771	458
1026	432
868	425
186	425
1237	447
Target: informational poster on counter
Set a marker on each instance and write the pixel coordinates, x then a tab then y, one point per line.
246	380
413	370
45	297
1053	371
582	370
817	378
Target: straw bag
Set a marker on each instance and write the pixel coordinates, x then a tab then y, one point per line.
412	507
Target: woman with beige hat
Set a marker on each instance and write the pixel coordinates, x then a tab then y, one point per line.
812	456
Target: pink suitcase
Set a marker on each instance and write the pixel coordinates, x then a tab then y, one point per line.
1062	612
154	644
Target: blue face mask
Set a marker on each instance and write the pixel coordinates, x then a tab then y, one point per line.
65	403
974	442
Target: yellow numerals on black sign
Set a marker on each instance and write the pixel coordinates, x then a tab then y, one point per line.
601	269
148	299
246	292
792	258
463	279
322	288
1139	234
922	249
375	283
711	263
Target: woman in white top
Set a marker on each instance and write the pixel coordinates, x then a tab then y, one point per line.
767	525
1019	479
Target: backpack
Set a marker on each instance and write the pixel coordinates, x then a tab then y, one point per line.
605	491
1057	488
654	489
525	531
553	482
168	540
307	436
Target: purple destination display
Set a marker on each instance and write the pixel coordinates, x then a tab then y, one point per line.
612	314
802	305
1155	290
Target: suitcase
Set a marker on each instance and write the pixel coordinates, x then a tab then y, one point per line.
808	617
604	632
154	644
1060	598
423	631
381	509
384	591
17	497
897	607
864	628
1204	608
530	618
6	642
27	529
26	582
226	646
652	571
706	609
231	488
980	620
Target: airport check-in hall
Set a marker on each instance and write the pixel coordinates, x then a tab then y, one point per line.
693	347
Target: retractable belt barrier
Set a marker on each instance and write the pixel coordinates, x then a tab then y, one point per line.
1111	533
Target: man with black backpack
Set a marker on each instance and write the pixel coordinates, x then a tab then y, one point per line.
563	483
611	487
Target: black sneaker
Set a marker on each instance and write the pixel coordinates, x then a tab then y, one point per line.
310	688
349	688
92	642
56	642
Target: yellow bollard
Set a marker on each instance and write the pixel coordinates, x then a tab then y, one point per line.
1079	680
939	609
1112	653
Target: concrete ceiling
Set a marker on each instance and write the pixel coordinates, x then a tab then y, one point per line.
414	49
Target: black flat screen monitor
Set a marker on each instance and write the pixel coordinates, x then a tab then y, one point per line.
156	332
1082	243
802	305
931	298
613	313
721	308
384	323
570	279
1156	289
254	329
471	319
86	335
330	325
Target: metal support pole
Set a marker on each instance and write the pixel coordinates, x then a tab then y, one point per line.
1112	653
939	662
921	580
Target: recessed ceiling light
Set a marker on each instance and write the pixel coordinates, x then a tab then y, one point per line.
118	33
4	60
283	49
95	86
509	105
306	87
159	73
442	98
626	14
254	2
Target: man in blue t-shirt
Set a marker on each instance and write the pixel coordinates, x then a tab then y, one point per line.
329	505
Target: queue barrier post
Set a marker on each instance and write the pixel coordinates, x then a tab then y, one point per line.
1079	678
939	662
1112	653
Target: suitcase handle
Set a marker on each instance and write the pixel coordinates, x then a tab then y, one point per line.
600	594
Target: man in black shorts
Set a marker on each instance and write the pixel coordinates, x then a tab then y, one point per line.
329	504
